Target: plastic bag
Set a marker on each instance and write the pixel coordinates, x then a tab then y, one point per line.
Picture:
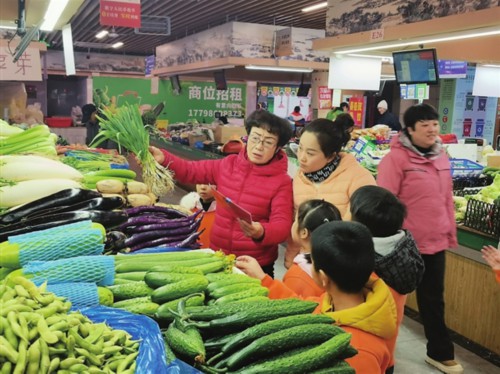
151	358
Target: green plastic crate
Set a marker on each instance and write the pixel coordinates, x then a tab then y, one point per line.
474	239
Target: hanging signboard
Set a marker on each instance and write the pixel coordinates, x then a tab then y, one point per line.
124	13
27	68
283	42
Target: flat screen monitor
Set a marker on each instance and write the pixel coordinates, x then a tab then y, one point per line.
303	90
176	84
419	66
220	80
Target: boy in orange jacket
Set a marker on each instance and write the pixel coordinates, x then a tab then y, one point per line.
343	259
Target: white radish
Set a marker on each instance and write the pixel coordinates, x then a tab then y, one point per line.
27	191
22	168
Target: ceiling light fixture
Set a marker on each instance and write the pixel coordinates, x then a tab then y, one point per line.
101	34
279	68
487	31
324	4
117	45
52	14
491	66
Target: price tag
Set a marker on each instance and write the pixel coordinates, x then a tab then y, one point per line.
376	35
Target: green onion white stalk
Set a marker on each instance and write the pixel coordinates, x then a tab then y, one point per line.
125	127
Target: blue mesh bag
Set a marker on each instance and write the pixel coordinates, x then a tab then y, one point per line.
96	269
63	228
81	295
86	242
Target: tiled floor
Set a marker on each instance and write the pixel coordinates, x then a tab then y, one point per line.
410	349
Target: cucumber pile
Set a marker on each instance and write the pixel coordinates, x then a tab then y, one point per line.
154	284
269	336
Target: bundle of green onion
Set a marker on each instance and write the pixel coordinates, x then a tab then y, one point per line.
125	127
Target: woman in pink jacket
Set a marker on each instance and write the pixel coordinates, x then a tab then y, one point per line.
324	171
257	180
417	171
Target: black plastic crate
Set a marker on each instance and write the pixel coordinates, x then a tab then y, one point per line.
483	217
471	181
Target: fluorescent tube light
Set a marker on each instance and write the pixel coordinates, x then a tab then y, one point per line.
117	45
101	34
383	58
324	4
52	14
488	31
279	68
491	66
6	27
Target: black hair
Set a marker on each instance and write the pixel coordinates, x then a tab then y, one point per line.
344	105
315	212
378	209
272	123
344	252
419	112
296	109
331	135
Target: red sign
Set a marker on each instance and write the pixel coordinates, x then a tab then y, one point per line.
324	97
356	109
125	13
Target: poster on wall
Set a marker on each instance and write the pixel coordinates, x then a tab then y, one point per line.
357	109
281	100
466	115
198	100
324	97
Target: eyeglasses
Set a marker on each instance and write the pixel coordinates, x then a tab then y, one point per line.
266	142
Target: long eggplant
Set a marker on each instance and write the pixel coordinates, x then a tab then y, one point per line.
152	220
109	219
65	197
97	203
147	209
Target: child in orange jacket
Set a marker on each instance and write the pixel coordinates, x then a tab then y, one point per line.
310	215
343	258
204	199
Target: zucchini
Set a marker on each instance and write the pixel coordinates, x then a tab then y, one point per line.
231	281
174	268
252	316
130	290
157	279
232	289
249	292
133	276
303	362
179	289
150	265
283	340
207	313
165	257
122	281
269	327
250	299
212	267
164	311
336	367
183	345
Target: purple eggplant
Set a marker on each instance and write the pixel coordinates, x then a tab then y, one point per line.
65	197
166	226
169	212
190	241
150	220
157	242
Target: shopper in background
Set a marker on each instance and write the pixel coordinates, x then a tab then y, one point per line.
296	115
417	171
397	259
492	257
202	199
343	259
386	117
335	111
89	119
324	171
257	180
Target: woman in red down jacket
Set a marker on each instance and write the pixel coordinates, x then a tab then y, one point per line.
257	180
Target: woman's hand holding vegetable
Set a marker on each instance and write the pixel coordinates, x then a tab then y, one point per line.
250	267
157	154
252	230
492	256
